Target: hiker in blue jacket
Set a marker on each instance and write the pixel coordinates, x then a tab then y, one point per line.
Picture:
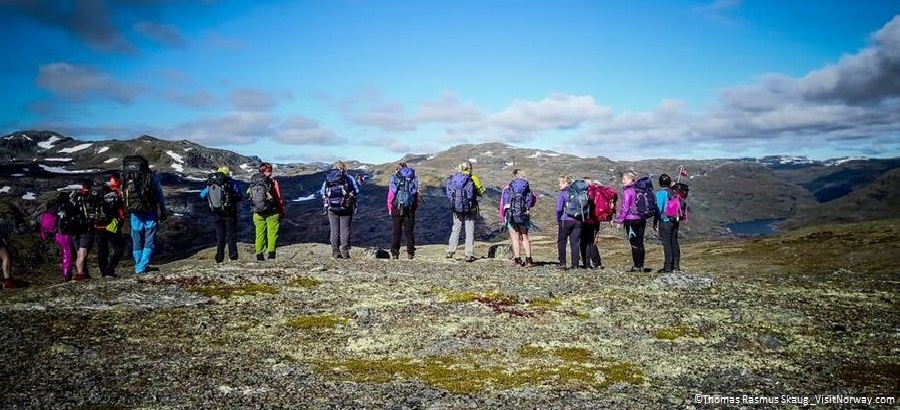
340	194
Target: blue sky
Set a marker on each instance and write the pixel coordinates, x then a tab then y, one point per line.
298	81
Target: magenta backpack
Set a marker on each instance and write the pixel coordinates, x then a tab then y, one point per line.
48	223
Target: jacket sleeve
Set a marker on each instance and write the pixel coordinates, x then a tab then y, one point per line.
204	192
355	185
279	200
662	198
532	200
392	192
503	200
560	205
158	192
479	188
322	190
627	203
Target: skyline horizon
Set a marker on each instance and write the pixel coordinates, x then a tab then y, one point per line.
300	81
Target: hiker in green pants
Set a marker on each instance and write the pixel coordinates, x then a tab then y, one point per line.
268	208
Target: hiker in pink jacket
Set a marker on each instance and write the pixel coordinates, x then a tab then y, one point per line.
634	224
50	229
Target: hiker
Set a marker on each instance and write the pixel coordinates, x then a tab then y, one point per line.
222	194
340	194
633	223
146	204
569	217
402	201
267	206
516	202
6	259
107	226
463	189
667	227
59	222
83	238
603	207
590	255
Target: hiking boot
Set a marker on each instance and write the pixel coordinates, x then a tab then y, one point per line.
9	284
410	255
517	262
395	254
345	255
109	276
664	270
271	255
81	276
449	255
260	257
528	263
562	266
470	259
636	269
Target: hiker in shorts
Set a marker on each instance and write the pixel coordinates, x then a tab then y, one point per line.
340	195
568	227
516	202
84	238
6	260
267	206
402	201
222	195
463	189
633	223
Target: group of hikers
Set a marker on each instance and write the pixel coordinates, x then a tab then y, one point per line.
96	213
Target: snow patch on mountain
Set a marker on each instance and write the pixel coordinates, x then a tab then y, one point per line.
29	196
58	159
110	160
305	198
76	148
102	150
5	189
61	170
49	143
539	153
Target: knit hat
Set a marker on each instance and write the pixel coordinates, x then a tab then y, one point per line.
225	170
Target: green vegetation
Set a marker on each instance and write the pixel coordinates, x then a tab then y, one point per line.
316	322
304	282
675	332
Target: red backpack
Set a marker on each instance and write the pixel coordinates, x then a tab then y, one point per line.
604	201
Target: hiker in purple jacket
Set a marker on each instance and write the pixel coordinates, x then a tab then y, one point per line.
633	223
569	228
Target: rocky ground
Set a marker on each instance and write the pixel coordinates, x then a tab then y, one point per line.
809	312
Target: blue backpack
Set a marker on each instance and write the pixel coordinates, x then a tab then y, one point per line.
518	192
406	189
645	199
339	193
461	192
578	203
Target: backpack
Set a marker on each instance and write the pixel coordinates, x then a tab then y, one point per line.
645	199
49	222
518	192
260	192
676	206
461	192
71	217
219	194
98	206
603	201
136	185
405	195
578	203
339	193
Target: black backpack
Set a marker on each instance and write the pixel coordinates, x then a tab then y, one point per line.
339	193
70	214
261	199
100	205
137	185
219	195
